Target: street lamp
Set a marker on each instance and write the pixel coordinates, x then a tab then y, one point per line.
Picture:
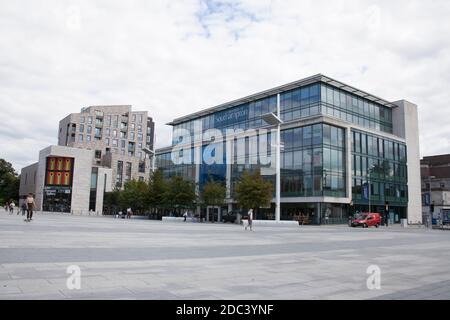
273	119
151	153
369	183
430	214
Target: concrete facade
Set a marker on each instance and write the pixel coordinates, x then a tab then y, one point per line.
81	181
116	134
406	125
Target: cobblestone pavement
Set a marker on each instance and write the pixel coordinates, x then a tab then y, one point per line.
142	259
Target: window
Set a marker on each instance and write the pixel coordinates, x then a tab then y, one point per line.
81	128
88	138
139	136
115	133
107	132
317	134
133	118
80	138
108	120
141	118
82	119
89	129
98	132
132	135
107	141
98	154
307	135
139	128
89	120
115	142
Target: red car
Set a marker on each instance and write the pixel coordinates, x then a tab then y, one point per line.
366	220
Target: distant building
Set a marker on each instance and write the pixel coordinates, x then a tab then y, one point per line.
344	150
435	172
99	149
65	180
117	135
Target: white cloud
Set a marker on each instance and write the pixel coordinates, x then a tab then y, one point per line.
177	57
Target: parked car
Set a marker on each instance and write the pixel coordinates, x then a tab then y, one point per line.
366	220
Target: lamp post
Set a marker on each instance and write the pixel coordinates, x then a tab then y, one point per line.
369	183
274	119
431	204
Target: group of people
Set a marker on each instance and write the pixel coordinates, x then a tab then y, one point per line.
9	207
27	207
129	214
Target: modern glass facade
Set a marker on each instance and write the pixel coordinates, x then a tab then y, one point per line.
335	143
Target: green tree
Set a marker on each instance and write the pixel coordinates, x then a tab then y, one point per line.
252	192
111	200
213	194
134	195
180	193
9	182
157	191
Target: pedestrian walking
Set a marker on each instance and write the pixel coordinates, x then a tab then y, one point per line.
185	214
129	213
30	207
23	207
12	205
249	220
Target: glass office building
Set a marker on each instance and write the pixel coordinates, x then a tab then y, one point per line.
344	150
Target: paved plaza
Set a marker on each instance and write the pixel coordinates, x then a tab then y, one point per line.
143	259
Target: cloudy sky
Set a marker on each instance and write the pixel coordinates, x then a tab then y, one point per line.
176	57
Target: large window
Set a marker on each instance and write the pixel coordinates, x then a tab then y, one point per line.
354	109
313	161
380	162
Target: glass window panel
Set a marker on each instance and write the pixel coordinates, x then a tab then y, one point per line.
287	101
305	112
298	137
326	134
317	134
336	99
334	136
307	135
295	98
327	159
304	96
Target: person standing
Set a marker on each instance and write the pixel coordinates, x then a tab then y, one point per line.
185	214
129	213
12	205
24	206
250	220
30	207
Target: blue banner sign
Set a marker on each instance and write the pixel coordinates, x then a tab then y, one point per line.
231	116
365	191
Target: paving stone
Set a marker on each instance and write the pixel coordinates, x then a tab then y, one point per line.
144	259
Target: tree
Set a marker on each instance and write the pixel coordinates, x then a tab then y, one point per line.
9	182
213	194
157	191
180	193
134	195
252	192
111	200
